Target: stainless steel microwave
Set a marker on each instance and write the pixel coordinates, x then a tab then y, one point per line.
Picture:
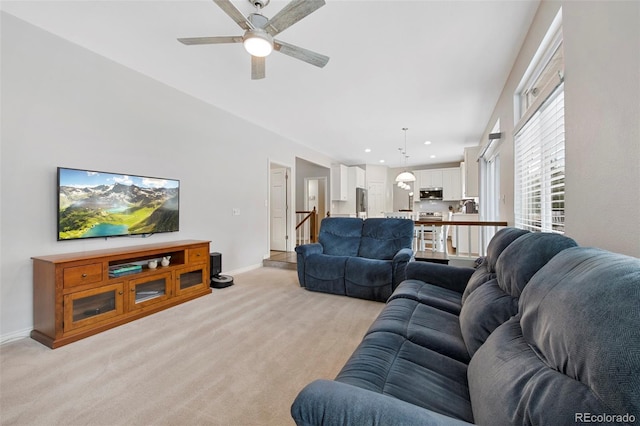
431	194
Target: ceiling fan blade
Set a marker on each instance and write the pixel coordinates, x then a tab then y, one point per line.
290	14
234	14
210	40
306	55
257	67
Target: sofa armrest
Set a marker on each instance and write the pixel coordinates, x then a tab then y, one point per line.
399	265
308	249
403	255
326	402
303	251
450	277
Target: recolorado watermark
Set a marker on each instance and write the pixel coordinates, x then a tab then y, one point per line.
604	418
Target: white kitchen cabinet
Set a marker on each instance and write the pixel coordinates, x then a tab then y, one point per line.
417	184
428	178
432	179
451	184
339	182
360	177
449	179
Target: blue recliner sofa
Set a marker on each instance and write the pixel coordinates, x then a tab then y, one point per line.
358	258
543	332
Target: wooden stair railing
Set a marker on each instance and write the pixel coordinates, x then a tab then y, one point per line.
307	227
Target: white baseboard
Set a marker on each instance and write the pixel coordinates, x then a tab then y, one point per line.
16	335
245	269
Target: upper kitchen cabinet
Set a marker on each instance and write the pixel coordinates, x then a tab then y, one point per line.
449	179
339	182
451	184
428	179
472	172
360	177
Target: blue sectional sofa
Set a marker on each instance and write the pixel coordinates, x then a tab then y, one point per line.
542	333
358	258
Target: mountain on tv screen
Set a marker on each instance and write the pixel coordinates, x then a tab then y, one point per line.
94	204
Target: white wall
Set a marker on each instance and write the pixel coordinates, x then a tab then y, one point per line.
602	131
602	113
65	106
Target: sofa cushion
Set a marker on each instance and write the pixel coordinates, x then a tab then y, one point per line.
500	241
485	309
423	325
525	256
340	236
382	238
390	364
325	273
429	294
573	348
510	385
496	301
327	402
486	271
368	278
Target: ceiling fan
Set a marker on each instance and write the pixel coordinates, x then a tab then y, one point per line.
259	32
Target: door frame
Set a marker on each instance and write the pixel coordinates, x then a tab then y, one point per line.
288	204
325	183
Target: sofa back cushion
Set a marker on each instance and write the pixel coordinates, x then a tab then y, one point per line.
494	302
572	351
340	236
382	238
486	271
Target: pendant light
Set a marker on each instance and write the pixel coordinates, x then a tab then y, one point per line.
405	176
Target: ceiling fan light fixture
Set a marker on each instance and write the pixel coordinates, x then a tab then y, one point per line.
258	42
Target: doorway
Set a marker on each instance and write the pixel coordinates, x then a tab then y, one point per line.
279	201
376	205
315	195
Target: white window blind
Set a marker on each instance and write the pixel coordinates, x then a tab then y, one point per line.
539	167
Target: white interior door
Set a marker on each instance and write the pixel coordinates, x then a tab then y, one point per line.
375	207
278	210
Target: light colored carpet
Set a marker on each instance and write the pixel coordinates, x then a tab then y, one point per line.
236	357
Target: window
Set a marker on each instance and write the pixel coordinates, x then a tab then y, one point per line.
539	168
489	159
539	140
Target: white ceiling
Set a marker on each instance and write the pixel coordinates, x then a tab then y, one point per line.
436	67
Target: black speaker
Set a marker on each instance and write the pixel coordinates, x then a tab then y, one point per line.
215	266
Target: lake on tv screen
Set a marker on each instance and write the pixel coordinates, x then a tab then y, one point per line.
106	230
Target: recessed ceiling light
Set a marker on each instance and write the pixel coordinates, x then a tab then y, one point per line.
367	150
432	156
427	142
382	161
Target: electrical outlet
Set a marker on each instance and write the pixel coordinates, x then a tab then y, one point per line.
236	211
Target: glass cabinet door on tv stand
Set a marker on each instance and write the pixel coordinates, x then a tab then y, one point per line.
90	307
192	279
149	290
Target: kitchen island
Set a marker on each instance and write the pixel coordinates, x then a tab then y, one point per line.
462	237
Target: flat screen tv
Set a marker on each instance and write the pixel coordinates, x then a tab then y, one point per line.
94	204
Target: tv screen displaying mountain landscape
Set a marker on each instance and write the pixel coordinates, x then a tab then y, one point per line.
94	204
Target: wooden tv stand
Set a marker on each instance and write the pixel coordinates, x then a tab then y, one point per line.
75	295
